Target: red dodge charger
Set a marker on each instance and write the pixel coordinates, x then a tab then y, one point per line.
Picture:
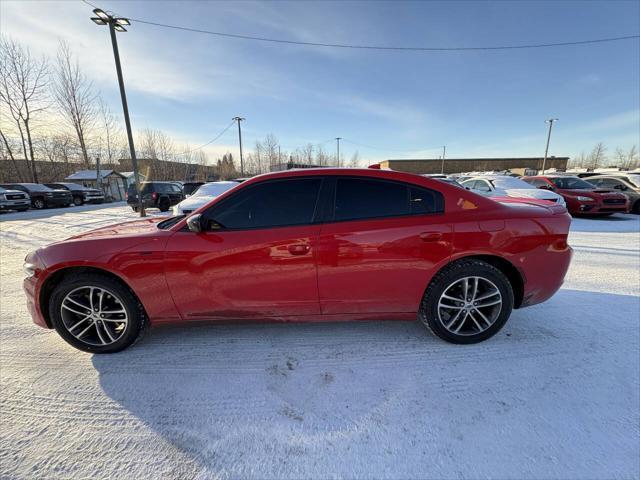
307	245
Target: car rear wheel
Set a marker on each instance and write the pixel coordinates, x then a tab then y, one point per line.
38	203
164	204
96	314
467	302
77	201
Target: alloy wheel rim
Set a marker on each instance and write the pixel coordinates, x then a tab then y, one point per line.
469	306
94	315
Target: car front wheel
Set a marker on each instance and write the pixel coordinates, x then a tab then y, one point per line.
77	201
95	313
38	203
467	302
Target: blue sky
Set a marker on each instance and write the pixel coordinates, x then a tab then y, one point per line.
477	103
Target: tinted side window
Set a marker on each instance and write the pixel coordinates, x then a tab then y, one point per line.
424	200
364	198
271	204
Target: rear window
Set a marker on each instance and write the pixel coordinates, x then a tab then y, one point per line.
358	198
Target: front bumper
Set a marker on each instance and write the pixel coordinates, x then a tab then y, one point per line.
94	199
15	204
601	209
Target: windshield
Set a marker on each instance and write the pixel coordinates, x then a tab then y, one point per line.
571	183
75	186
214	189
634	179
510	182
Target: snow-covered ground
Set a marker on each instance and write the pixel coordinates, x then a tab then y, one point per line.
554	395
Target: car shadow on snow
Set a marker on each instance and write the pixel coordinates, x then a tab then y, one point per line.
247	395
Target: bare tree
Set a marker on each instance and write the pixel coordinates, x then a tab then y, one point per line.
75	96
7	151
111	133
355	160
23	83
597	157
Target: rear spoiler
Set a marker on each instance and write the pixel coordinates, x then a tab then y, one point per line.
554	208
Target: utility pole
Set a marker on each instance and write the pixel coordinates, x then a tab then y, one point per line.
338	146
444	151
117	24
239	119
546	150
98	176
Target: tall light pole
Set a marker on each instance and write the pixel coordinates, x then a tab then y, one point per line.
338	148
546	150
117	25
444	151
239	119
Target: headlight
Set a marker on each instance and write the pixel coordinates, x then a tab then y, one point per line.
49	194
584	199
2	197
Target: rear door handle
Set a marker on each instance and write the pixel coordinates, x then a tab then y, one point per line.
299	249
430	236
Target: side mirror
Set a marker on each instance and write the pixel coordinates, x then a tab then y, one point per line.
194	222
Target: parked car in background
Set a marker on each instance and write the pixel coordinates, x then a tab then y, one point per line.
203	195
190	187
449	180
80	193
42	196
14	200
161	195
506	186
580	196
627	184
320	244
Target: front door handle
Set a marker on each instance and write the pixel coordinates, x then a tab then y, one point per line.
430	236
299	249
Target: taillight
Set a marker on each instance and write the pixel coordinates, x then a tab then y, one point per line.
154	195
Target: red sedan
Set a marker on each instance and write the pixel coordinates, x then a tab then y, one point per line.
307	245
582	197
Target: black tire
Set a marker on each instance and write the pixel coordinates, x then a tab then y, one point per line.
135	209
136	319
38	203
164	204
636	207
428	313
77	201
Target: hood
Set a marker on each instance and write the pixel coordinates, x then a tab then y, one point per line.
532	193
127	229
596	193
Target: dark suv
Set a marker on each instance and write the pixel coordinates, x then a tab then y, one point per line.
41	195
161	195
80	193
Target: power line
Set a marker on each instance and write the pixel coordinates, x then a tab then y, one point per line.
210	141
380	47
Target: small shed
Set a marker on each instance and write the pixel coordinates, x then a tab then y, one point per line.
112	183
130	178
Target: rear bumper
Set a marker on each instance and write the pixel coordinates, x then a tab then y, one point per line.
544	277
